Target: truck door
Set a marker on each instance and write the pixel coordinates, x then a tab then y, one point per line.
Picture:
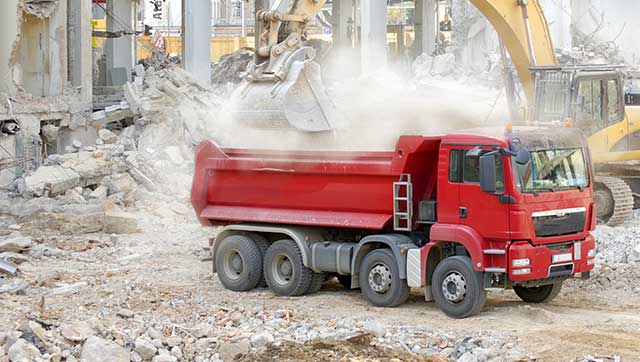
482	211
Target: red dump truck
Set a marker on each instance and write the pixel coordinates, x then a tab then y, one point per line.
455	215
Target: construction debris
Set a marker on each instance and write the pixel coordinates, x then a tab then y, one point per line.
230	66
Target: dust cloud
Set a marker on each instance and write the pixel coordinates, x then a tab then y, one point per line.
373	111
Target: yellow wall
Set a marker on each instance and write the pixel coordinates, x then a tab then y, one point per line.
219	46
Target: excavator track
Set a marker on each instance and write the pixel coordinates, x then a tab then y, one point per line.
613	199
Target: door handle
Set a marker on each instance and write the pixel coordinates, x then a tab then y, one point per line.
463	212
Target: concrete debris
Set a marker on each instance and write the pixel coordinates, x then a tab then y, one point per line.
231	351
51	180
76	331
145	348
23	351
96	349
7	266
230	66
587	49
119	223
17	244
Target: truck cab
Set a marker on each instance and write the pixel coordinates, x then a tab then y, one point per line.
455	215
526	199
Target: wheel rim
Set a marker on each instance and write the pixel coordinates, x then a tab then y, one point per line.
380	278
454	287
282	269
233	264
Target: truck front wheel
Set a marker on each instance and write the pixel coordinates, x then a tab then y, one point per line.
238	263
284	269
380	279
541	294
457	287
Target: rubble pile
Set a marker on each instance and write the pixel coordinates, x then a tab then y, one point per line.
587	49
618	257
239	333
431	68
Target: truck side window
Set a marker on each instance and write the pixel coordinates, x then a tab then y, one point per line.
471	170
455	165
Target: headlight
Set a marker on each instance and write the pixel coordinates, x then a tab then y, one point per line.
521	271
591	253
517	263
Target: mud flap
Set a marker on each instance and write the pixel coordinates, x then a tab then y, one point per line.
300	101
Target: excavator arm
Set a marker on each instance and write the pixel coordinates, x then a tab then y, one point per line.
524	31
283	86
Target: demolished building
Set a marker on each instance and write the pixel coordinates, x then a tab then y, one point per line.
45	103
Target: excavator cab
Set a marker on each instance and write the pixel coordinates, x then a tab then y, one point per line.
592	99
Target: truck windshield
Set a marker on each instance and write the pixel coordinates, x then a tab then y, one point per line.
552	170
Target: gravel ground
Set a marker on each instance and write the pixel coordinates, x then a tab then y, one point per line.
149	294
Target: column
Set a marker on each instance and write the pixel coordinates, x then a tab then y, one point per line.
425	26
343	22
119	51
79	55
196	34
374	35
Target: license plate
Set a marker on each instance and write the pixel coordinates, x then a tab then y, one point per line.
561	258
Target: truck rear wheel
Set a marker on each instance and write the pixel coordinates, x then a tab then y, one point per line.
457	287
541	294
316	283
238	263
284	270
380	279
263	244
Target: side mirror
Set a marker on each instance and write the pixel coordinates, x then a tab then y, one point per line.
523	157
488	173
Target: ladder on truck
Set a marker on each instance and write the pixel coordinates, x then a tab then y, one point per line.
403	203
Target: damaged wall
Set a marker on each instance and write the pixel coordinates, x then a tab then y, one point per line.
9	24
43	48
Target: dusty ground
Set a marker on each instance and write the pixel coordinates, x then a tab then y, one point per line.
157	274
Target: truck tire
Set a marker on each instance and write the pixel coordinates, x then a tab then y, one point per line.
541	294
284	270
316	283
457	288
239	263
263	244
380	280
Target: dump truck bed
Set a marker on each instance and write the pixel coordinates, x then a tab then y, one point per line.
319	188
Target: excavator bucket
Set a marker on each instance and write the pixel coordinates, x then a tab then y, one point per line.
299	101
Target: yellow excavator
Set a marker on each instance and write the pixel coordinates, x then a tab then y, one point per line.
283	87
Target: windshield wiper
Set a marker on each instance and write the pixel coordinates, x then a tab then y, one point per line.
537	189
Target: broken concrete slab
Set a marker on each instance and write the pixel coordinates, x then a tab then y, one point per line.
13	257
51	180
107	136
116	222
17	244
96	349
119	183
77	331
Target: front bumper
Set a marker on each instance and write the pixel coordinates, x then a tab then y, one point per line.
551	261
